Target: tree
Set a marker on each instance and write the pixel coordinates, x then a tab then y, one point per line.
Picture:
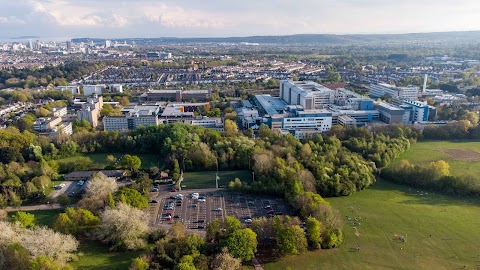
225	261
63	199
111	201
123	226
230	128
76	221
231	224
177	230
139	264
213	229
133	198
16	257
111	160
242	244
14	199
27	220
132	162
314	232
176	170
42	112
46	263
100	186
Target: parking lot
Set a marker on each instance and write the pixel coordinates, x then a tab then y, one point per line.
195	214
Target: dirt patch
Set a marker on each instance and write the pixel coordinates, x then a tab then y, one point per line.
462	154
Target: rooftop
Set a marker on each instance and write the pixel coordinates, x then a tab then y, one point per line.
270	104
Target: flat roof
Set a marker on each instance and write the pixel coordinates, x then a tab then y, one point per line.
389	106
270	104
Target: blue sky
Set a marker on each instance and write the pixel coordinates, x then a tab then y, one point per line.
212	18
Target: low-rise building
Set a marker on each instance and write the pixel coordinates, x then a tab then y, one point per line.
97	89
45	124
215	123
59	111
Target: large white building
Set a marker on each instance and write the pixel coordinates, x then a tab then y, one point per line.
309	95
379	90
71	88
89	90
215	123
135	116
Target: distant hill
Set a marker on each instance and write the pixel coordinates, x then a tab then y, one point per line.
438	37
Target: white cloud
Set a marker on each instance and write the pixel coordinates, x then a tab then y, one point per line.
124	18
11	20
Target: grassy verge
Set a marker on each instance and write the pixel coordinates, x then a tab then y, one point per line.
441	232
93	255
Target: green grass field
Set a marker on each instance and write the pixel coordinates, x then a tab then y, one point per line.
93	255
391	210
43	217
428	151
206	179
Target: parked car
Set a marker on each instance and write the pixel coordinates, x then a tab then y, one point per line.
154	201
248	220
217	209
173	190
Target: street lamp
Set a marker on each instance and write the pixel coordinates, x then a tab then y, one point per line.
216	176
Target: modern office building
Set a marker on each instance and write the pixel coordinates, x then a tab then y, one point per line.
132	118
418	110
379	90
309	95
390	114
215	123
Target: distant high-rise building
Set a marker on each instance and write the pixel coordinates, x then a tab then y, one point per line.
108	43
69	45
30	44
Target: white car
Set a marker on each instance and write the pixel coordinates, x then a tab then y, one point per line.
202	200
217	209
248	220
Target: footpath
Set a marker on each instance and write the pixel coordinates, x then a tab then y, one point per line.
34	207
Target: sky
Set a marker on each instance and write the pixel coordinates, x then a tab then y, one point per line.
227	18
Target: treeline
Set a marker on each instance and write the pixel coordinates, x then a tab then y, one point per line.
462	129
433	176
57	75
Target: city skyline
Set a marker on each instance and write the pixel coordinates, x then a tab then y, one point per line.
215	18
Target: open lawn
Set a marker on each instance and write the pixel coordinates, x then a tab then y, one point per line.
463	156
43	217
93	255
206	179
440	232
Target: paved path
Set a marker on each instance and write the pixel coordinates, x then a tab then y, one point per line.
256	264
34	207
